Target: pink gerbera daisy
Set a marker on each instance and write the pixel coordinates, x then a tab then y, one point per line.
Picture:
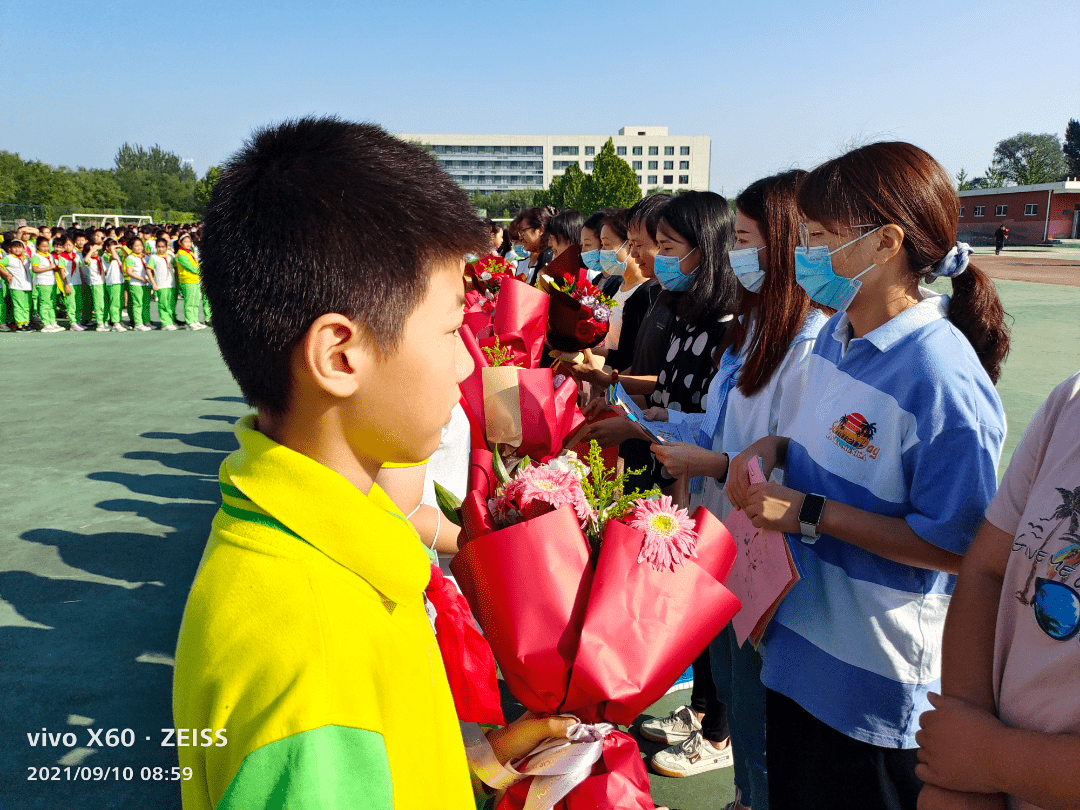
669	533
538	490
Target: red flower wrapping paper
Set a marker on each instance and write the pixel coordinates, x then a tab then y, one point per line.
470	666
599	643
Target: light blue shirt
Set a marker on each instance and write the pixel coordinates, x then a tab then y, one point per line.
903	422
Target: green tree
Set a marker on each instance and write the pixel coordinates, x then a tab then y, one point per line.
993	178
1071	149
154	179
10	170
154	160
97	190
963	182
204	187
612	184
502	204
569	190
1027	159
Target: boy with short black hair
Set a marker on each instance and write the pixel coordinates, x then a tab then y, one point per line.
305	634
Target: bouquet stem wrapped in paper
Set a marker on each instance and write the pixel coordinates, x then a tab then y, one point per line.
516	403
597	635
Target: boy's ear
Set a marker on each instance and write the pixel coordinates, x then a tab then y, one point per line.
336	355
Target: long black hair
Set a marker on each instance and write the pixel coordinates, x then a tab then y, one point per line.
705	220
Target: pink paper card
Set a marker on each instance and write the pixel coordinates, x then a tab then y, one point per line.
763	572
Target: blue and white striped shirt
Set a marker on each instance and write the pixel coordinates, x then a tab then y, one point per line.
903	422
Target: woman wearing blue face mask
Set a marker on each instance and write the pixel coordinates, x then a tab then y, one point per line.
889	464
760	383
590	242
694	233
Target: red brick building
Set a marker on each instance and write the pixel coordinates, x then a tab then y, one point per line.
1033	214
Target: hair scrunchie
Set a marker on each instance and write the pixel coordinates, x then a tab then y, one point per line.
953	263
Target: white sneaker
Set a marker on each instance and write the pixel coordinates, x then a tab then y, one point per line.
197	326
102	328
77	327
169	327
119	327
52	327
5	328
674	728
692	756
142	327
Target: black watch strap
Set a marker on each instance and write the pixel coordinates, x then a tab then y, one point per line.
810	515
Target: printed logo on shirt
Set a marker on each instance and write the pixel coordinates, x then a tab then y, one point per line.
1055	604
852	433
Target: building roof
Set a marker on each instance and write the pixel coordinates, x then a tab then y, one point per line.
1060	187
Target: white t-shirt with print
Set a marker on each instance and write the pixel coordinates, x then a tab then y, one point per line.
1037	642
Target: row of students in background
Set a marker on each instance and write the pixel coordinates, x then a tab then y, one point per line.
93	276
798	331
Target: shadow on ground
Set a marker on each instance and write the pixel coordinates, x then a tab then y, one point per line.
94	628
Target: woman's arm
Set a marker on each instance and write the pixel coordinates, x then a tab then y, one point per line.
405	487
774	506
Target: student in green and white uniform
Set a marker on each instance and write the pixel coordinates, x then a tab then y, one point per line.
187	268
140	284
94	284
19	286
114	284
31	251
161	263
44	269
70	282
85	302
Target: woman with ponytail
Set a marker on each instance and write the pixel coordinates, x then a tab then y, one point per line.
889	464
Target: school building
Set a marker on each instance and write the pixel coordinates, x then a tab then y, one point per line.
1033	214
488	163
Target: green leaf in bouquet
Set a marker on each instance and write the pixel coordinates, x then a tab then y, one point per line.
449	503
499	466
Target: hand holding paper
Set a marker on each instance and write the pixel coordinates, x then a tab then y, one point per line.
764	570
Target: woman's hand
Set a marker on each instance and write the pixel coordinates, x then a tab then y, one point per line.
609	432
596	406
655	414
773	506
738	481
517	739
582	372
680	458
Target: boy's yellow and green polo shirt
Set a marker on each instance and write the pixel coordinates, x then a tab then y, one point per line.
306	639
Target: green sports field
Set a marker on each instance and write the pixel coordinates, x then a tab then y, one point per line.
110	447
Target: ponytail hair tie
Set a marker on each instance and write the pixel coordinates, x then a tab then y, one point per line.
953	263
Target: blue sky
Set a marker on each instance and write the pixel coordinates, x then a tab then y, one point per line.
775	84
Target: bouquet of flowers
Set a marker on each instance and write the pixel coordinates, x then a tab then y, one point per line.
578	313
488	273
594	601
510	401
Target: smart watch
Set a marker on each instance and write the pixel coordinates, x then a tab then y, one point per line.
809	515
